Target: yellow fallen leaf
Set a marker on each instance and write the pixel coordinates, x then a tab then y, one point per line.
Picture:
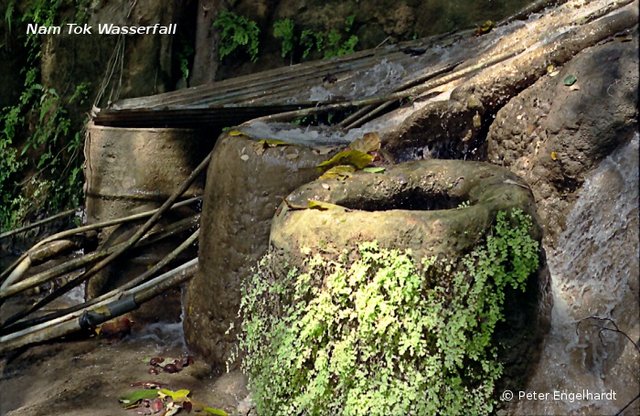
321	205
273	142
554	156
348	157
176	396
486	27
338	172
214	411
370	142
234	133
374	169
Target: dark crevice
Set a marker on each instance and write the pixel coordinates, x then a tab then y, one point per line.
410	199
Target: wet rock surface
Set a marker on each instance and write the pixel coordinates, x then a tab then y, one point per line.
459	116
552	134
595	274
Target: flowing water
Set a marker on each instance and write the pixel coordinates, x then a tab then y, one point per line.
594	271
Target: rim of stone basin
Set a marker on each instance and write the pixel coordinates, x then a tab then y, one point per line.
430	206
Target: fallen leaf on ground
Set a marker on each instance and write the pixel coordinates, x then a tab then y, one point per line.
172	409
176	396
486	27
348	157
370	142
321	205
214	411
131	399
273	142
338	172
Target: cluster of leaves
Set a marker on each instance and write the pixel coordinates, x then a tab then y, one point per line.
38	124
379	335
185	57
237	33
155	399
362	154
330	44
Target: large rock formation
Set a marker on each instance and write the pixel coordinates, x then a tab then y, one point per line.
246	181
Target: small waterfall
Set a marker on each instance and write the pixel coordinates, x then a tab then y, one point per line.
594	271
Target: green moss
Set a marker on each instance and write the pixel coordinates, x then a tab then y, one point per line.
380	335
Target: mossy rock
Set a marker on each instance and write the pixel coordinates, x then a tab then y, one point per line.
246	180
433	207
442	209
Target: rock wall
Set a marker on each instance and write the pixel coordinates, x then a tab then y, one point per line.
552	134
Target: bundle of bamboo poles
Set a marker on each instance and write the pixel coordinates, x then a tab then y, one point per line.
22	328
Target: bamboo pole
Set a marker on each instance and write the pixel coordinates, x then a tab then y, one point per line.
79	262
43	221
101	312
23	261
171	230
355	119
127	245
151	221
132	283
40	255
410	92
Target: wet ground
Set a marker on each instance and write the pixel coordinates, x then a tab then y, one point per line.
88	376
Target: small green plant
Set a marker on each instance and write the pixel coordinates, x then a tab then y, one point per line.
185	57
284	29
372	333
310	40
237	32
330	44
336	44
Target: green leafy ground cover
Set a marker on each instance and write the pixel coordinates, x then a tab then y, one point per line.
374	333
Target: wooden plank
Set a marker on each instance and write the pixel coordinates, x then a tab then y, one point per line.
203	117
273	75
233	101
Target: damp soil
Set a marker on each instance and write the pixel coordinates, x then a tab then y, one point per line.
82	376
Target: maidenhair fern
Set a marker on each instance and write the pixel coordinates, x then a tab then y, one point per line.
381	336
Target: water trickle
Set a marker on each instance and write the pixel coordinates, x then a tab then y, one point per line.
594	272
166	336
